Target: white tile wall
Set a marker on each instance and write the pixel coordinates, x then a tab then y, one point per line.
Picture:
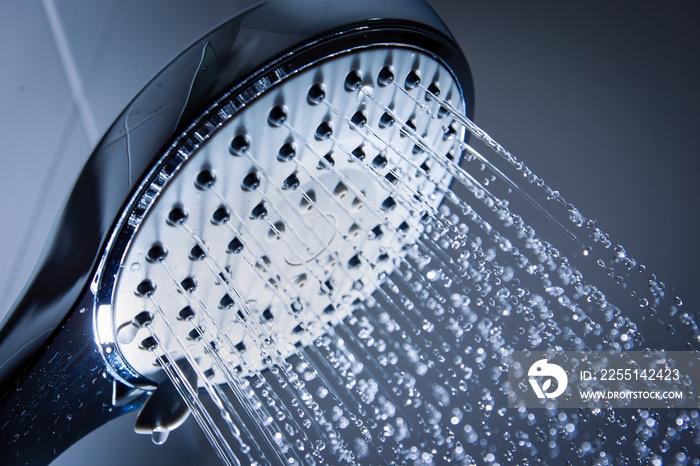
109	49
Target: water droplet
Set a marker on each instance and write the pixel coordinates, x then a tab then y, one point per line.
160	435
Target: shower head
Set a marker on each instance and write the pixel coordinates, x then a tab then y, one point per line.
293	204
259	187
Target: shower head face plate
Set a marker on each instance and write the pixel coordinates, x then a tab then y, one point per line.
281	215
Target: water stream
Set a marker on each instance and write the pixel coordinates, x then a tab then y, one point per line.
417	374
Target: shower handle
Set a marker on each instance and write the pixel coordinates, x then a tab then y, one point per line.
63	394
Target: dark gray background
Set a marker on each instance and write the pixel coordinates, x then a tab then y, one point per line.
599	98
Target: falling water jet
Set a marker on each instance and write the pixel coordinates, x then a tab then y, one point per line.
190	397
253	332
259	414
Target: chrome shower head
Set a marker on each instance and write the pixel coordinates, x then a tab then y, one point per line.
249	196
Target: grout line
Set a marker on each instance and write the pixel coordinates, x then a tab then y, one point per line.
81	102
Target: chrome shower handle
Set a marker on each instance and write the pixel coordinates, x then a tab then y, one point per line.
60	396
